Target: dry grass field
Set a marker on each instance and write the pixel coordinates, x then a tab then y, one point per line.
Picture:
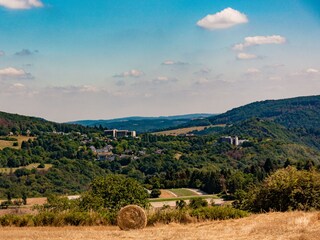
20	139
285	226
182	131
30	167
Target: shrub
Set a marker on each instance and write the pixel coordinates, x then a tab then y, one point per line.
217	213
155	193
286	189
198	203
181	204
169	215
195	215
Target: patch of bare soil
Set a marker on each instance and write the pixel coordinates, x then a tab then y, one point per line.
167	194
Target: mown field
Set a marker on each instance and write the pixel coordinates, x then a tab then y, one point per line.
29	167
181	131
271	226
20	139
182	192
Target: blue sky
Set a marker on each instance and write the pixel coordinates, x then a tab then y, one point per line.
100	59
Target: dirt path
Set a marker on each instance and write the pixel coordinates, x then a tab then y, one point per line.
273	226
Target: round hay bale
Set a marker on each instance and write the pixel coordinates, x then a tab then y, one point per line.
131	217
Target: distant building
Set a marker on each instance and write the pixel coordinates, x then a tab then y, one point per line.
232	140
120	133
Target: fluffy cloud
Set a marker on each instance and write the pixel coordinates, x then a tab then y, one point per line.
132	73
11	72
18	85
21	4
170	62
312	71
225	19
246	56
253	71
259	40
162	80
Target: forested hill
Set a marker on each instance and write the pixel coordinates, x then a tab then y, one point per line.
300	115
292	113
145	124
19	124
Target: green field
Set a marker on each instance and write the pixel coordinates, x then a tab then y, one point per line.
30	167
183	198
183	192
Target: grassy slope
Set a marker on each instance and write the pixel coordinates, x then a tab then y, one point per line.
29	167
20	139
272	226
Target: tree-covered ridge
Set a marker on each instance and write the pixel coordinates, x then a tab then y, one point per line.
18	124
292	112
299	115
146	124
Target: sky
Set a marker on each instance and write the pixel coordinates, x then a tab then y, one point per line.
101	59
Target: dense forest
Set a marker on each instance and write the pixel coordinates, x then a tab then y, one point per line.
68	155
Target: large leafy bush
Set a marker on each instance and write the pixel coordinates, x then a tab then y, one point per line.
286	189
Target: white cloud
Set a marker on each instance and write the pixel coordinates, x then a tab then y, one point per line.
225	19
75	89
21	4
132	73
163	79
312	71
259	40
18	85
253	71
12	72
88	88
246	56
170	62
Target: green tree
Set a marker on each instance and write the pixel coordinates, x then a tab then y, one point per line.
286	189
155	193
114	192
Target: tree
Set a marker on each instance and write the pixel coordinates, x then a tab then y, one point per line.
114	192
268	166
155	193
286	189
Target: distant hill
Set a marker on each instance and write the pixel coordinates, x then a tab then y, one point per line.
20	124
292	112
144	124
300	115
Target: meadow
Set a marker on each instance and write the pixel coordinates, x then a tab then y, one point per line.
19	139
